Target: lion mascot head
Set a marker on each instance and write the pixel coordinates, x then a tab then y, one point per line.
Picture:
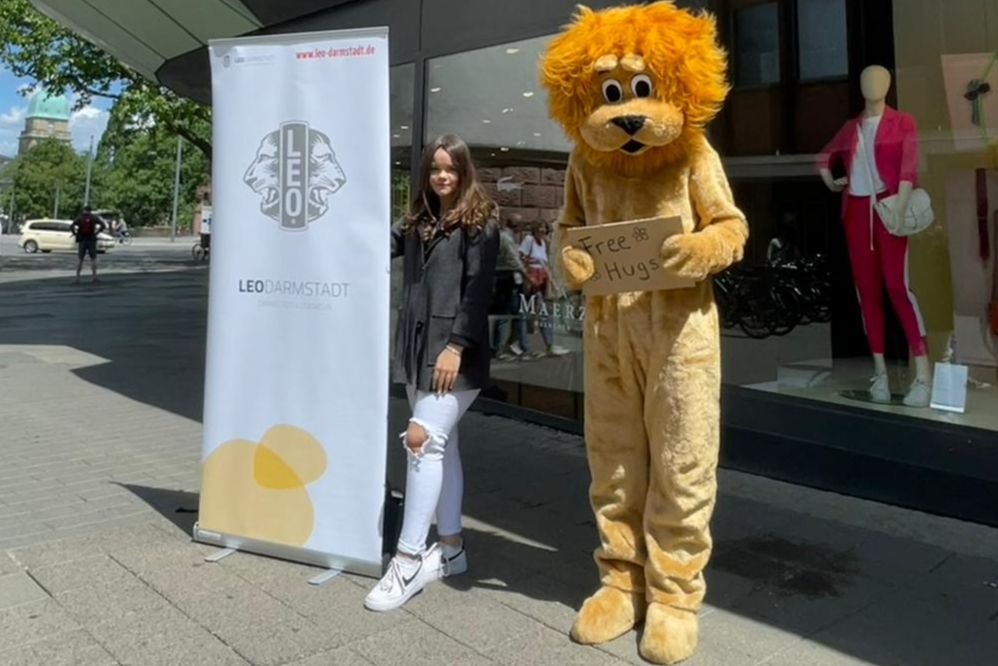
632	86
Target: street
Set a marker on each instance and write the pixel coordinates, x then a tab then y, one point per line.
143	254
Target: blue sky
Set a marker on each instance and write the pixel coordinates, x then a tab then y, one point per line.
90	120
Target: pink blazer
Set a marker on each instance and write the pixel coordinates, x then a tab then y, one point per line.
895	151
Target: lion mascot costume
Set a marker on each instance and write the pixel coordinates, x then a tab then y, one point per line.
634	87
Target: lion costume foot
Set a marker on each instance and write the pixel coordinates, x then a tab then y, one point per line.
670	634
608	614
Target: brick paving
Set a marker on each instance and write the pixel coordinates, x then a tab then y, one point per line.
100	401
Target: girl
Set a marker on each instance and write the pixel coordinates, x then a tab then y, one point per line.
449	242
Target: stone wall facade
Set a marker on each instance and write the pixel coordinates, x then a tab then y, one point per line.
526	194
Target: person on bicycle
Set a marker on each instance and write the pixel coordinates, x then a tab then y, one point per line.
121	230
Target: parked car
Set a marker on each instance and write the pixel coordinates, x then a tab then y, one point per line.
48	235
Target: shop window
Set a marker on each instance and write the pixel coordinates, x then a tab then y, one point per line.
822	39
492	99
402	84
757	45
815	306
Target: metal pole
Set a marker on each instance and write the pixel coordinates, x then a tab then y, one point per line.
55	214
90	165
176	192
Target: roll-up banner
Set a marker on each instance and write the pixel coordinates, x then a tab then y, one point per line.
296	387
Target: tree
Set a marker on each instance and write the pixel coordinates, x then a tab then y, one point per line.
36	47
49	170
137	164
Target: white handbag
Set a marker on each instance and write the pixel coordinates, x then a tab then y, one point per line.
919	215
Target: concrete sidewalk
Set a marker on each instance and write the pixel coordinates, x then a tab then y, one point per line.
100	399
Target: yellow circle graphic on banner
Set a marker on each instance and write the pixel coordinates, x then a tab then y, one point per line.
257	489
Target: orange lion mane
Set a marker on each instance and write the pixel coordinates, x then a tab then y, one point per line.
680	53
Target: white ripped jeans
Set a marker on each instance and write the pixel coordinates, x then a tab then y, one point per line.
434	480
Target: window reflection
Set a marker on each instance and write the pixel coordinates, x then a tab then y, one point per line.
757	45
821	31
491	98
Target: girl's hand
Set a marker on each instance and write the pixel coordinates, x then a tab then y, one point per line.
446	369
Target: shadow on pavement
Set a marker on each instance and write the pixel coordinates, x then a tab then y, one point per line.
774	572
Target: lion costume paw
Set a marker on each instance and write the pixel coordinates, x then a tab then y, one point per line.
608	614
578	267
670	634
688	255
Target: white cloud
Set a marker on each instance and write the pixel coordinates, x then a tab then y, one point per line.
13	117
88	121
11	124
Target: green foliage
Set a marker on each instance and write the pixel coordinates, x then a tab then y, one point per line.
36	47
138	165
48	170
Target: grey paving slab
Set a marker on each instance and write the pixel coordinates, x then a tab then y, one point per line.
341	657
181	582
96	571
541	646
32	622
262	629
709	652
744	635
416	644
815	654
163	638
8	565
70	648
480	623
808	614
908	628
112	604
967	578
19	588
544	598
336	607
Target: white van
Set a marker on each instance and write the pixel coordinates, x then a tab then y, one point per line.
48	235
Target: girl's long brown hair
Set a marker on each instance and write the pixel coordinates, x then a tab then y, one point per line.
473	207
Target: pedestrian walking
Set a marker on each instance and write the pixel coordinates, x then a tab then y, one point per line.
449	241
85	229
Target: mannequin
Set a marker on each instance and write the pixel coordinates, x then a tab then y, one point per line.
879	150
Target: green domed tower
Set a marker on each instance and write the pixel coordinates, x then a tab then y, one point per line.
47	118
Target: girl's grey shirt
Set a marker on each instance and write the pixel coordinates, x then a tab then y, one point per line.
447	292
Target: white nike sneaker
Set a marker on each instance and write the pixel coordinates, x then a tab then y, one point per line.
405	578
880	390
919	394
456	560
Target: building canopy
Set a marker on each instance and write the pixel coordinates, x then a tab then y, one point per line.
147	34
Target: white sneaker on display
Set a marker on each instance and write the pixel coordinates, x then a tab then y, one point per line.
456	558
405	578
880	389
919	394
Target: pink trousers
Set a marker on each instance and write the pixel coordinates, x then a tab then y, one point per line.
877	262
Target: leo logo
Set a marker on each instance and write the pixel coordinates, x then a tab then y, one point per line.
295	171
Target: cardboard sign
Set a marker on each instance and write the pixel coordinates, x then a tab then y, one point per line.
627	255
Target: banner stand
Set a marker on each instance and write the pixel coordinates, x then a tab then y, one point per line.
297	364
231	544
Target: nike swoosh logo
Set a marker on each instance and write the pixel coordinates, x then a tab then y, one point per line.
408	581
